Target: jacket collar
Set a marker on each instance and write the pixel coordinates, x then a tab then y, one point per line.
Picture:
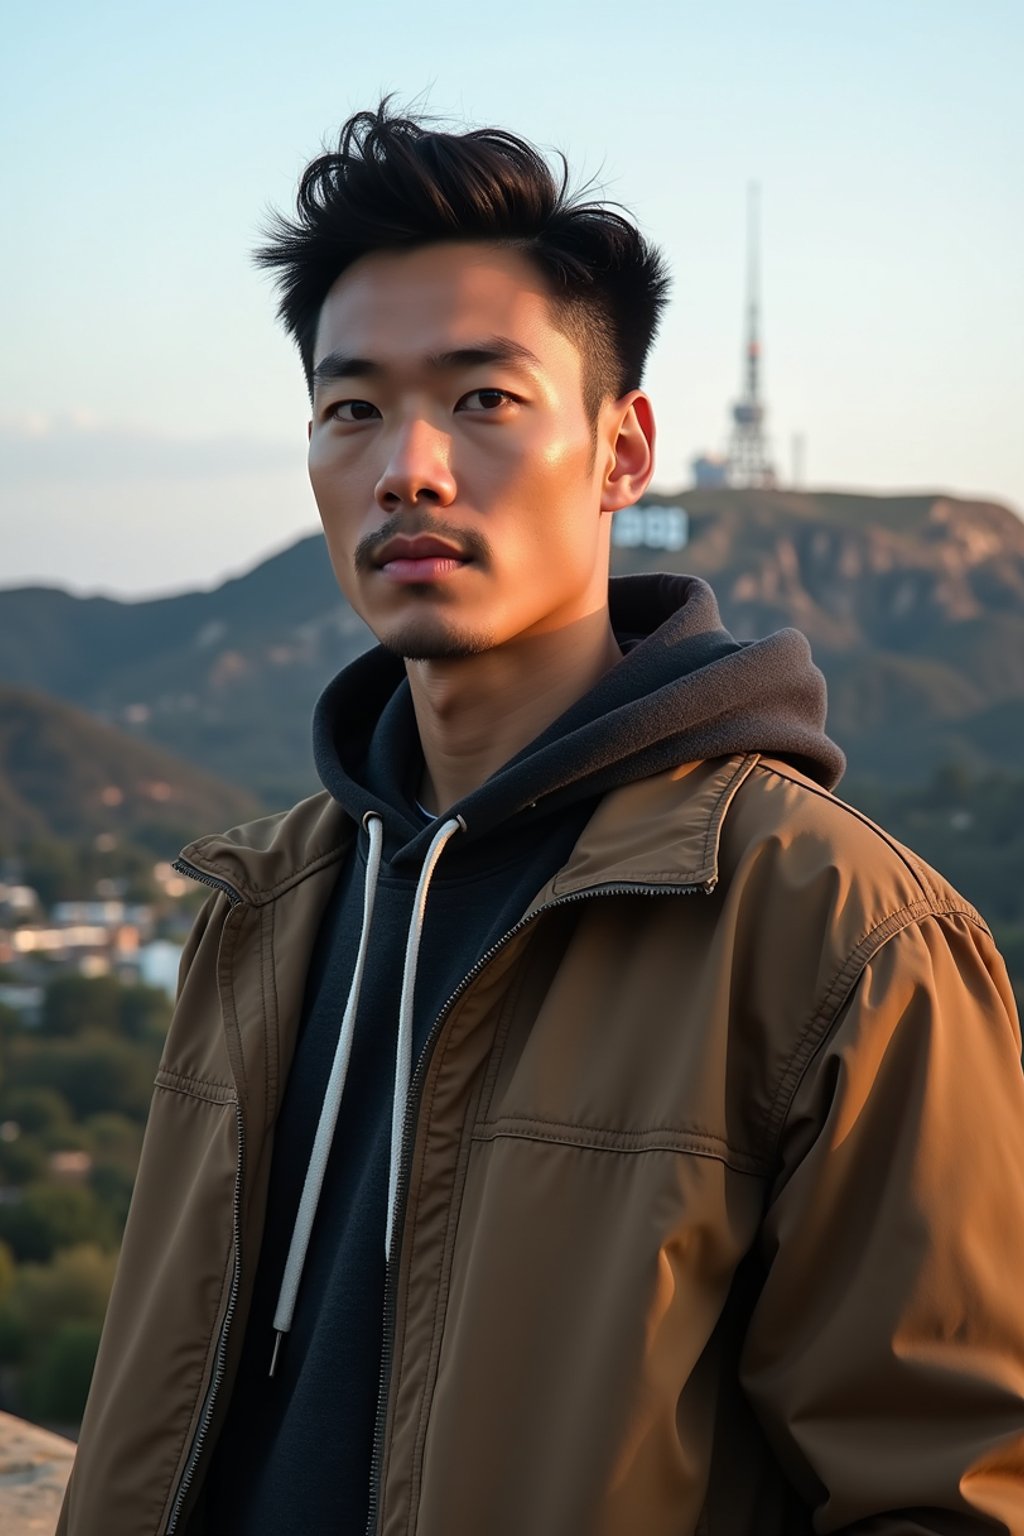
263	859
661	831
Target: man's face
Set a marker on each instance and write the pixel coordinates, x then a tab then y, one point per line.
450	455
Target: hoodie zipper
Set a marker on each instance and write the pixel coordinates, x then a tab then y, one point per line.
219	1364
408	1124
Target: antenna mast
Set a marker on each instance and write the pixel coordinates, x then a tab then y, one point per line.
749	460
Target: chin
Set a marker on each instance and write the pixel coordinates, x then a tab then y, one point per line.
423	639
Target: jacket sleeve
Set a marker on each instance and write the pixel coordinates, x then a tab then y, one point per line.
885	1353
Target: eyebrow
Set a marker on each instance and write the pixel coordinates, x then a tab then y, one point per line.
495	349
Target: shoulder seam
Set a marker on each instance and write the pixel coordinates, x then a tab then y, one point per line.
836	992
905	856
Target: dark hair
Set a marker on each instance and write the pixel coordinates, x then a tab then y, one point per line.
394	184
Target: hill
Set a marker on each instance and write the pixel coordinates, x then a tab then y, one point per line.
914	606
226	678
67	776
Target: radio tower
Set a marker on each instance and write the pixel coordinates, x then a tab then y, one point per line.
749	462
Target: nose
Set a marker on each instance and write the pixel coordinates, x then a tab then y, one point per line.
418	470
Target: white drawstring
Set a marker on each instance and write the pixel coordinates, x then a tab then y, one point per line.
403	1054
317	1166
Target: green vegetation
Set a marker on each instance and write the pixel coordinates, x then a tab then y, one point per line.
50	1321
74	1097
71	871
970	829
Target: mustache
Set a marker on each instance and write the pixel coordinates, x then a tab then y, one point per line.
471	542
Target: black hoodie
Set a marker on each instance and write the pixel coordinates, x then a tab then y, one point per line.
294	1456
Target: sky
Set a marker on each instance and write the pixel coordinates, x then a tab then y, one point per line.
152	413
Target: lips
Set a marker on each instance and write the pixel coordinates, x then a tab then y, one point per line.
424	546
421	560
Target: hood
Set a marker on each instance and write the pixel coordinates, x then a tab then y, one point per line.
684	691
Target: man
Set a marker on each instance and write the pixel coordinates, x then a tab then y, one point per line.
574	1120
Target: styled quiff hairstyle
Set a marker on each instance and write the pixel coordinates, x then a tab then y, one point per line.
394	184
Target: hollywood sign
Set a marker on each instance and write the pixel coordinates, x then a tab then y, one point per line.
650	527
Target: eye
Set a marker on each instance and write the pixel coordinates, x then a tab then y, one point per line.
486	400
352	410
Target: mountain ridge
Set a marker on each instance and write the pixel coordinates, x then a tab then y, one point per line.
914	606
65	775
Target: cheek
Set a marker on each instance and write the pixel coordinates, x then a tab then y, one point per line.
545	491
317	477
316	452
339	553
566	454
323	473
335	462
561	484
335	491
337	520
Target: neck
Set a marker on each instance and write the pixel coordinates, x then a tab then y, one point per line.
476	713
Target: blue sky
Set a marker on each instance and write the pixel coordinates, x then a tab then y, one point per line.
152	416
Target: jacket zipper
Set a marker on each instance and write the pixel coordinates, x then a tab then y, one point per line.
408	1123
202	1429
183	867
206	1415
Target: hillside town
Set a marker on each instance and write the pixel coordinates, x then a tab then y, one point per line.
138	943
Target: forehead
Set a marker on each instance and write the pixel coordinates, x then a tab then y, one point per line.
394	305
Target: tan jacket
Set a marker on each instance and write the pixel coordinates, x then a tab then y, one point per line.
714	1201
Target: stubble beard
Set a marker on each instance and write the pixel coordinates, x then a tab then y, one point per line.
426	638
427	635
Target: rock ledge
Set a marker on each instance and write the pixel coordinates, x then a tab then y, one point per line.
34	1466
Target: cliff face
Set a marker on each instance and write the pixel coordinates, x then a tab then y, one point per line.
853	572
34	1467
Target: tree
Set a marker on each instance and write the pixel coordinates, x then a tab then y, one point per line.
95	1074
49	1217
75	1005
9	1023
57	1383
112	1186
50	1321
73	1288
37	1111
144	1013
114	1139
54	871
7	1273
23	1160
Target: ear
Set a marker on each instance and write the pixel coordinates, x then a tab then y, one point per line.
309	431
629	432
